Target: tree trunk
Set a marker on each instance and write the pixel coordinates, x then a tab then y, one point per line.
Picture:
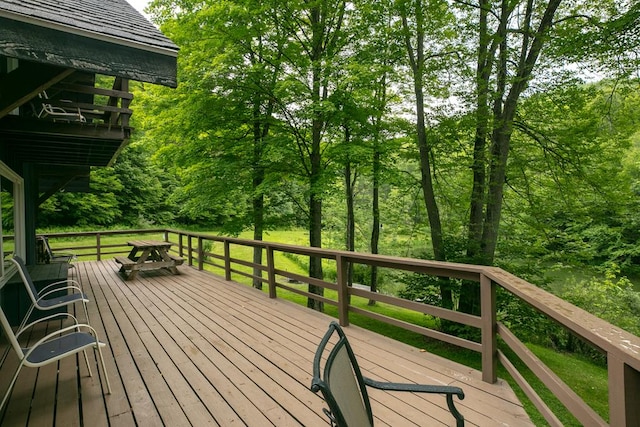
375	207
482	248
381	102
416	59
351	222
315	217
259	134
483	73
315	178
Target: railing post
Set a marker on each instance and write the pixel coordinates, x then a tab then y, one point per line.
624	389
98	247
190	249
200	254
271	272
343	291
227	261
180	249
489	336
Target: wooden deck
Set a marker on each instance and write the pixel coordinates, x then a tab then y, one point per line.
192	349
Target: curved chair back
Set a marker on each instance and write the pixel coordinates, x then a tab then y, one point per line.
26	279
341	382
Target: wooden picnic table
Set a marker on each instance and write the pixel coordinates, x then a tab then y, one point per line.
148	255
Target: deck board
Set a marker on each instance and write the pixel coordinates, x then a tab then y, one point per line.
192	349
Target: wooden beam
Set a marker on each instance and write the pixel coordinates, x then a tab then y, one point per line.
72	87
37	128
26	82
89	107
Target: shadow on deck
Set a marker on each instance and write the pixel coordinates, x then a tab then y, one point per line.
192	349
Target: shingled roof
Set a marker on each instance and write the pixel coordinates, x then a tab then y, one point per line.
70	32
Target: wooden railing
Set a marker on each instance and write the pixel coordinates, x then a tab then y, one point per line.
621	348
95	104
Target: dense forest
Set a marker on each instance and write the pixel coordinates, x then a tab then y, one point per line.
499	132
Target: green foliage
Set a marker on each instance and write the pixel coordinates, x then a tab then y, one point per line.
132	192
611	298
99	207
571	178
425	288
6	201
144	198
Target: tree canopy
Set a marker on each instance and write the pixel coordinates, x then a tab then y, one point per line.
478	131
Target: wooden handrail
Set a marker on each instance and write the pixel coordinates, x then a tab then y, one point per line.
621	348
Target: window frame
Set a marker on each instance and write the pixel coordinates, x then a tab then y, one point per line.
19	231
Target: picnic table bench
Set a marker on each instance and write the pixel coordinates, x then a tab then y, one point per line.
148	255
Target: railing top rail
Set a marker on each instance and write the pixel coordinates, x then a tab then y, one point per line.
105	232
452	269
598	332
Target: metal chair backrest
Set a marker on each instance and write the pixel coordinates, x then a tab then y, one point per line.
341	382
26	278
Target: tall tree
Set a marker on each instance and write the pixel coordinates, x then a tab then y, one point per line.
317	29
424	28
378	55
511	38
506	60
230	65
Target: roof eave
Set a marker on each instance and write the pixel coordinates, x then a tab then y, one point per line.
173	52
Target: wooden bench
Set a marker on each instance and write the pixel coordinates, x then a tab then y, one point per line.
127	263
177	259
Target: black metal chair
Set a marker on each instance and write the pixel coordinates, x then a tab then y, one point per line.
345	389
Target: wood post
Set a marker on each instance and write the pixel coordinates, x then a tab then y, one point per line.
98	247
489	335
343	292
201	254
271	272
189	250
227	261
624	390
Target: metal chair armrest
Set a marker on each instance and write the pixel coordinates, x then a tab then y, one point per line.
448	391
417	388
71	282
76	290
46	319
